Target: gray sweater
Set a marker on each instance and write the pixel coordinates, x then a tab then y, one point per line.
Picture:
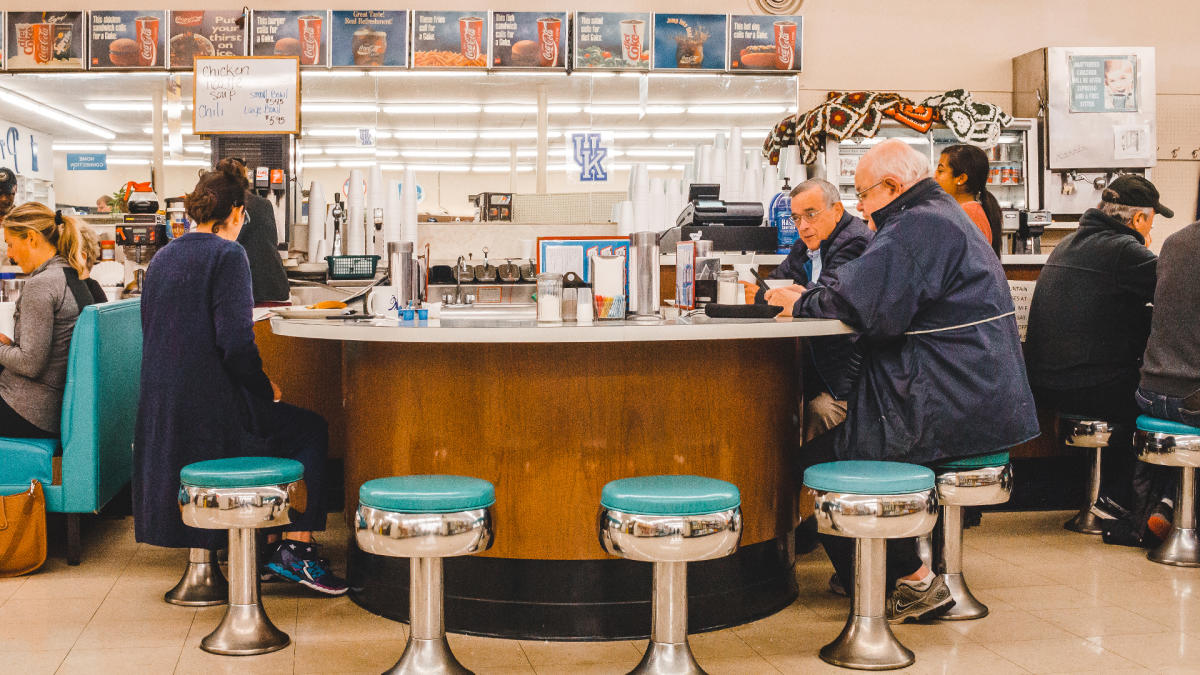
1172	363
35	365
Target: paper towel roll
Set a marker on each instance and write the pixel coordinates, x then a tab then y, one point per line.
376	203
408	203
316	218
355	231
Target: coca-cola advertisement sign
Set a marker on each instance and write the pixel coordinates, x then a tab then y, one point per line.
529	39
199	32
766	43
303	34
612	41
368	38
127	39
450	39
44	41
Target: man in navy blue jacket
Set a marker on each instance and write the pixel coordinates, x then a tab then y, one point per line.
942	375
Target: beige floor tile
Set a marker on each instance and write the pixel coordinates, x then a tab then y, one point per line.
1044	597
43	635
1008	624
961	658
65	609
1155	651
1178	615
1060	656
145	607
928	634
584	669
51	586
482	652
32	663
195	661
342	657
135	634
121	661
340	619
722	644
811	664
806	638
744	665
1099	621
620	652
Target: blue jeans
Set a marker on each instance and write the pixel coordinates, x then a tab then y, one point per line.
1183	410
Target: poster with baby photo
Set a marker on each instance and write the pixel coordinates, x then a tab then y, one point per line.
368	38
690	41
290	33
529	39
45	41
197	32
126	39
612	41
1102	84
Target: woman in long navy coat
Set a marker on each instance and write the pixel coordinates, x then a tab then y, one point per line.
204	394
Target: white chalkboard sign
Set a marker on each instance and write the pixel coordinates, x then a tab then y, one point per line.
246	95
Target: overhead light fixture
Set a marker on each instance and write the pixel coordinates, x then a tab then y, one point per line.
197	148
625	135
133	106
319	164
79	147
426	134
339	108
321	74
131	147
445	168
627	109
305	152
500	168
332	133
435	154
529	109
516	134
658	152
185	162
737	109
682	134
43	110
504	154
186	130
361	151
128	161
353	163
432	109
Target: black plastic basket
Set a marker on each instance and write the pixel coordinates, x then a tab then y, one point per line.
352	266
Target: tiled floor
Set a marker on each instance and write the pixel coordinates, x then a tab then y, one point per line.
1061	602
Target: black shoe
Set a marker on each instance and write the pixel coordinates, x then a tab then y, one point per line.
908	603
294	561
806	536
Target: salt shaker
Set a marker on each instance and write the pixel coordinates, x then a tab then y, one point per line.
549	302
583	307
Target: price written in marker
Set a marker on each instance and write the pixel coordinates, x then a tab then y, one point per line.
246	95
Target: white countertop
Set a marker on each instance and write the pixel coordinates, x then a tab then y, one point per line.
1025	259
693	328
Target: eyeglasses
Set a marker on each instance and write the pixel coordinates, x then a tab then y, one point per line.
809	216
862	194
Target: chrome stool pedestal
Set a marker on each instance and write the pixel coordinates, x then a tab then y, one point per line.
961	484
1172	444
1094	434
202	584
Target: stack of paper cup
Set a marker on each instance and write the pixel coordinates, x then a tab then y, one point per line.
355	228
316	219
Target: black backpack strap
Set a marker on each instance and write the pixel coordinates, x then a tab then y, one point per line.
83	296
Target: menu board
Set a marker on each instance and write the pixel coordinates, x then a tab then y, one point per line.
529	39
246	95
127	39
299	33
368	38
766	43
450	39
205	33
45	41
690	41
612	40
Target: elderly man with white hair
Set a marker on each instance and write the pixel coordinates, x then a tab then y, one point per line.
942	375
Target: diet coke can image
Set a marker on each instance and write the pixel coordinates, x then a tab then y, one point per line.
147	40
310	40
25	38
633	33
549	29
470	35
42	37
785	45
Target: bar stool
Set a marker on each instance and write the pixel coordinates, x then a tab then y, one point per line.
202	584
1086	432
870	502
971	481
1169	443
670	521
242	494
425	518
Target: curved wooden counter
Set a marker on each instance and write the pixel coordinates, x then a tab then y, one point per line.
549	423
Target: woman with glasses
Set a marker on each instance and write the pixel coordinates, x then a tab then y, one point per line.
204	394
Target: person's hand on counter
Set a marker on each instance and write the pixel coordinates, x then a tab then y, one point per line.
751	291
785	297
278	393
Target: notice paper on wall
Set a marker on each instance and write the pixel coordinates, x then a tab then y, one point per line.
246	95
1022	296
1132	141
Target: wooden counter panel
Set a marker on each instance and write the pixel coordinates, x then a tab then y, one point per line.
550	424
309	372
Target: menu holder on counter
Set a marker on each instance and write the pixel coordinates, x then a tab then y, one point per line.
44	41
572	254
368	38
246	95
451	39
299	33
766	44
612	41
690	41
529	40
127	39
198	32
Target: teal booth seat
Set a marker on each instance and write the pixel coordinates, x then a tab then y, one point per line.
861	477
427	494
977	461
240	472
1170	427
99	411
670	496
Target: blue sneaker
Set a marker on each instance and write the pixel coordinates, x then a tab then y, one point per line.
298	562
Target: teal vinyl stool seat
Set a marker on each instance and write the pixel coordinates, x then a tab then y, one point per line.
1170	443
425	518
669	521
979	480
239	494
870	502
1080	431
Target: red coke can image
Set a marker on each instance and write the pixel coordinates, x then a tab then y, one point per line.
470	36
147	40
310	40
42	38
549	29
785	45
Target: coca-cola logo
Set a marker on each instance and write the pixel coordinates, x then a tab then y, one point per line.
549	45
148	46
633	45
189	19
471	38
309	42
784	49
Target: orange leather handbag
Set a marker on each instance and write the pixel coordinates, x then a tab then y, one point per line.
22	531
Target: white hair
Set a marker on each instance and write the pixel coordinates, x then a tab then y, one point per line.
1124	212
829	191
900	161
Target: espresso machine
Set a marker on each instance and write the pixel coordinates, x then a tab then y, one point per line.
142	232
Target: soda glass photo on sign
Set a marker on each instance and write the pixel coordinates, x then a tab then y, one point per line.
310	40
147	40
785	45
369	47
632	40
470	33
549	29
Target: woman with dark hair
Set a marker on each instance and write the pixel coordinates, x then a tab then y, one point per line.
33	360
204	394
962	171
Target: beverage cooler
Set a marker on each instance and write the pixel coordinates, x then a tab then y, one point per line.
1013	179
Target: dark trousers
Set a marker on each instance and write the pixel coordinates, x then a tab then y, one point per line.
283	430
1182	410
902	558
12	425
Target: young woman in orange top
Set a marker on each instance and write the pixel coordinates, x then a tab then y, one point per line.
962	171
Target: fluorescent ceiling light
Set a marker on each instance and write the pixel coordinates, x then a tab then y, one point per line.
658	152
184	129
43	110
685	134
516	134
351	163
499	168
304	152
505	154
436	154
128	161
317	165
432	109
437	134
185	162
625	109
133	106
629	134
445	168
332	73
529	109
131	147
339	108
737	109
331	133
79	147
361	151
197	148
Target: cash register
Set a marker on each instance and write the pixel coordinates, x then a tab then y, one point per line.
731	226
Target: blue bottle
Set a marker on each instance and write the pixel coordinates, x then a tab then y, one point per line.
780	217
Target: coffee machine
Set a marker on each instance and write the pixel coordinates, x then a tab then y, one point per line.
141	233
1030	227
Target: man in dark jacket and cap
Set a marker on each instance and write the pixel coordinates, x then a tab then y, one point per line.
942	373
8	191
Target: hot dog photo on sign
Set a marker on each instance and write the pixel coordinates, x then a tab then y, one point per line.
127	39
765	43
304	34
45	41
529	39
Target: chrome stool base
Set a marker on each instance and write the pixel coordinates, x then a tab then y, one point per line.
424	657
867	643
965	607
246	630
1085	522
664	658
1181	548
1089	434
202	584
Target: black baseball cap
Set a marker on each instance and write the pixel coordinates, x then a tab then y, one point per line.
8	181
1133	190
